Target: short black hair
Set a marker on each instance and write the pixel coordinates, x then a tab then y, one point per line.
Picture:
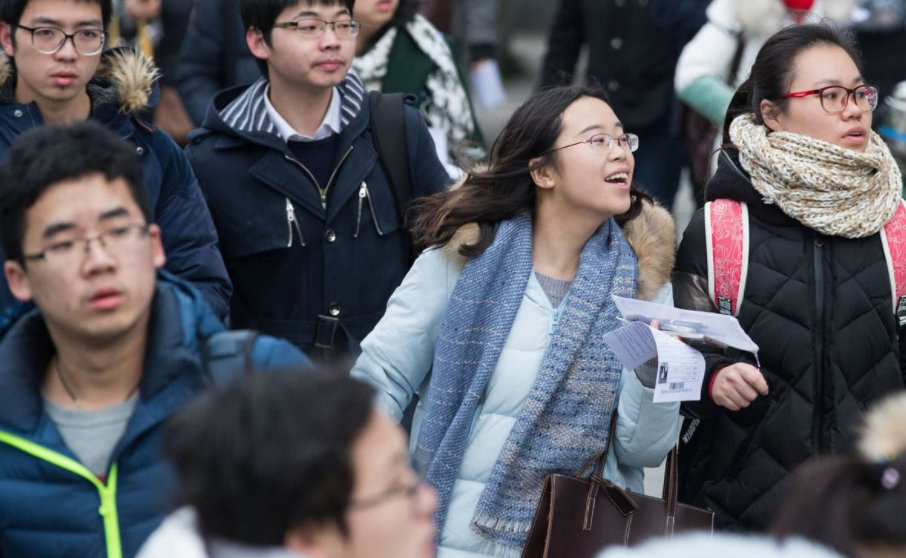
48	155
269	453
11	10
262	14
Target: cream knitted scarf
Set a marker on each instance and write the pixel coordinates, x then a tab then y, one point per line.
833	190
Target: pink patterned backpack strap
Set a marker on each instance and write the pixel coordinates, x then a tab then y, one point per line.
893	238
727	238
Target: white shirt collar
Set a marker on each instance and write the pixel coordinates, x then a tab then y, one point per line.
329	126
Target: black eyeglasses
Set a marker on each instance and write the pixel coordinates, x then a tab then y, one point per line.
48	40
315	28
604	143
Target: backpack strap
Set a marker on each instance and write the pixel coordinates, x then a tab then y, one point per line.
727	239
228	354
388	129
893	238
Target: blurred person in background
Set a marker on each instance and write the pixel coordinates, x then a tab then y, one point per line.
474	24
293	464
214	56
855	504
499	325
819	187
702	73
636	71
399	51
157	28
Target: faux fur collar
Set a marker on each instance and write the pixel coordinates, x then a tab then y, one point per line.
125	76
651	236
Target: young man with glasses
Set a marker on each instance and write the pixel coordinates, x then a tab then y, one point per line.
325	475
307	216
112	350
56	71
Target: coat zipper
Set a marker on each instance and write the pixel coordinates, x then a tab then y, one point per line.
555	321
371	206
322	192
817	425
363	192
290	223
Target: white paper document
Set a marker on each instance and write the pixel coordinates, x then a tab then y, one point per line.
717	327
681	369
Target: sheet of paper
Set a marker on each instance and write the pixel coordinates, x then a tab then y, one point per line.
720	327
681	369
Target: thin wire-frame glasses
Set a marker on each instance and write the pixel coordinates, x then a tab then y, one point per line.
834	98
315	28
604	143
48	40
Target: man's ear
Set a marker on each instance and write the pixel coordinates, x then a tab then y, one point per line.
257	44
6	39
310	542
157	246
543	176
769	114
17	279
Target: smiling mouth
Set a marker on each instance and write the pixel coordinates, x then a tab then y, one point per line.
618	178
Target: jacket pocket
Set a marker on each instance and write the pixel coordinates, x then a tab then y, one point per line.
746	451
375	208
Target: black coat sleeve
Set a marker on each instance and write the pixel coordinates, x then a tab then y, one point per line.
201	58
563	45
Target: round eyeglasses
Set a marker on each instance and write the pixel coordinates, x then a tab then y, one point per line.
315	28
834	98
604	143
48	40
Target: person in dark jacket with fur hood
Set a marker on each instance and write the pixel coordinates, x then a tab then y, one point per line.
57	73
820	187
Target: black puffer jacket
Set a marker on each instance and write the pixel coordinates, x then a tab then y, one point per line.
820	309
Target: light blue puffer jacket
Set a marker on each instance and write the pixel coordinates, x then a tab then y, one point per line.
397	357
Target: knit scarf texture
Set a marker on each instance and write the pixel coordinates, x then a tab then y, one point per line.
447	103
565	418
830	189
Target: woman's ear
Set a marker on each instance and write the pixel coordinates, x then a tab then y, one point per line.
769	114
543	175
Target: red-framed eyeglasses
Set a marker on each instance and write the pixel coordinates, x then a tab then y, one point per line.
834	98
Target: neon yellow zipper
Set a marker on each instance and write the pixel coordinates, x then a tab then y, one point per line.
106	492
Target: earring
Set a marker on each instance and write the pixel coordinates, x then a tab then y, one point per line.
550	183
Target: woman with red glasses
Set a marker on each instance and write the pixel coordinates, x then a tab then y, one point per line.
795	243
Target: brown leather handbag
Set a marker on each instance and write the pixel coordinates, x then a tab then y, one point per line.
578	518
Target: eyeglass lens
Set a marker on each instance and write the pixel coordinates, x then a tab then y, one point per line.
834	99
49	40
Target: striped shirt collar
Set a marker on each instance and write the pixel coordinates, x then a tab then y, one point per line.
248	112
329	126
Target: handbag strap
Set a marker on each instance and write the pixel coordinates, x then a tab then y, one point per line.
599	460
670	493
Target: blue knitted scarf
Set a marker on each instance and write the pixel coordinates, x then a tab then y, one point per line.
564	421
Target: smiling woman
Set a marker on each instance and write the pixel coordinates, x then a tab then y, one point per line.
816	190
505	349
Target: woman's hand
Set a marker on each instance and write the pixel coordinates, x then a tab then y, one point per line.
737	385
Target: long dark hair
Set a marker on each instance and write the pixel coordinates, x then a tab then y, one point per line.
847	504
506	188
774	67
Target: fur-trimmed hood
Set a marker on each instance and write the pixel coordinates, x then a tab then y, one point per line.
766	17
884	431
125	76
651	235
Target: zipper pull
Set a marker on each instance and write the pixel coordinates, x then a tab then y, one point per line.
290	217
363	192
291	222
554	322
